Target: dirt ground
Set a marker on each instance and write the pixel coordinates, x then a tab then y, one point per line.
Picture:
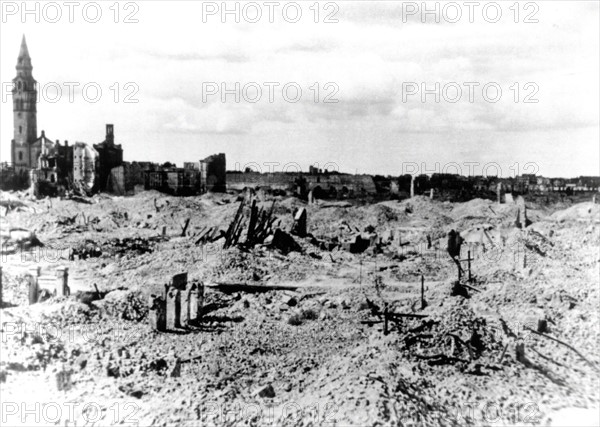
313	352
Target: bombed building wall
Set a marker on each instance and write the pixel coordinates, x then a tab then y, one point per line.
341	184
85	165
173	180
53	171
213	173
276	180
194	178
323	184
130	177
11	179
110	156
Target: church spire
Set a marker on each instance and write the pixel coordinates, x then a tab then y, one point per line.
24	51
24	60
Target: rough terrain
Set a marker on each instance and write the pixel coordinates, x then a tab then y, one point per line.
312	354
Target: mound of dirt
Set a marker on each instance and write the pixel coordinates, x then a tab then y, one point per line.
584	212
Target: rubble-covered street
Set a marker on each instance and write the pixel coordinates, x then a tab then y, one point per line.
330	313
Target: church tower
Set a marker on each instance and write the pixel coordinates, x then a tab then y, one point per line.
24	111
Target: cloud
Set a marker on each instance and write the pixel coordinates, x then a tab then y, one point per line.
367	56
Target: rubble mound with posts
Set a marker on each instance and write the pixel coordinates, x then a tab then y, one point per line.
387	312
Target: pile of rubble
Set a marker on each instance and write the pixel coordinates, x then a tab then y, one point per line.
117	247
453	333
124	304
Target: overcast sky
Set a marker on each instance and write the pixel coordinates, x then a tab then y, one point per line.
367	61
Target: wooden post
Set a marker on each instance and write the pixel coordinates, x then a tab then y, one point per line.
62	278
360	273
520	352
499	192
542	326
185	227
156	313
184	310
196	300
32	276
469	265
423	303
173	308
385	320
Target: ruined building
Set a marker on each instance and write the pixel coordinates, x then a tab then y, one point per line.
208	175
85	166
322	184
48	167
110	156
213	173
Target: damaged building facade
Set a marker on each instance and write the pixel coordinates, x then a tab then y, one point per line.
321	184
60	168
50	168
110	156
45	165
207	175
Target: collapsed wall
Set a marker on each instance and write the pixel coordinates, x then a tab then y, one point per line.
321	184
213	175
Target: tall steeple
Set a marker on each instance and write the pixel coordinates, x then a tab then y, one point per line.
24	61
24	95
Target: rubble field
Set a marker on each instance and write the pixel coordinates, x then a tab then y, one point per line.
331	313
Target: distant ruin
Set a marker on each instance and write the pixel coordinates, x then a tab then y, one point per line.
47	168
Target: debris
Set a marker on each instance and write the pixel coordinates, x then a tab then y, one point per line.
123	304
86	297
267	392
230	288
173	307
185	227
423	302
195	299
18	238
284	242
577	352
520	352
176	369
157	313
458	289
299	225
63	379
542	326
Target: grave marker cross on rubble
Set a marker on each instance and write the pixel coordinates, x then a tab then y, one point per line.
460	270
